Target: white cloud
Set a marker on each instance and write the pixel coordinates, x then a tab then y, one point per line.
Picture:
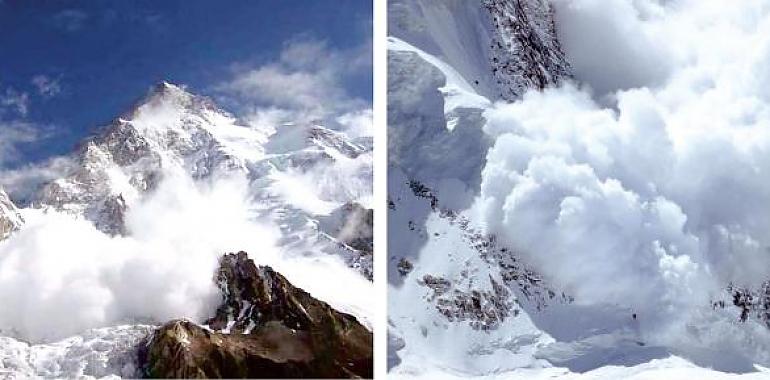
278	86
613	44
17	101
358	123
24	181
12	134
308	80
57	265
70	20
46	86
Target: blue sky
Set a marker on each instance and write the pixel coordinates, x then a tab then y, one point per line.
67	67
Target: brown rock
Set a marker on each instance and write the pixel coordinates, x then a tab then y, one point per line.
265	328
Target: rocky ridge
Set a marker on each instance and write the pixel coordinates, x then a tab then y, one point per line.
514	286
264	328
525	52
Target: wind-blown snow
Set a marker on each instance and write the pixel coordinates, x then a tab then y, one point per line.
58	265
61	265
664	188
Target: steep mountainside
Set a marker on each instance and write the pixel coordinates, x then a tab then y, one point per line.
169	128
265	328
461	302
501	47
449	281
10	219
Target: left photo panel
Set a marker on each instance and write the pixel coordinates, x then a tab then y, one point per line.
186	189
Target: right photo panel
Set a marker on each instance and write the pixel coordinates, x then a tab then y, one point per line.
578	189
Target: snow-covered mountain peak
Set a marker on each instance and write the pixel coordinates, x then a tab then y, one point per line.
168	129
168	108
168	90
171	130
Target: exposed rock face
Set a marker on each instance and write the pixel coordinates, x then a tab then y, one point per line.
265	328
169	128
754	304
10	219
482	309
525	52
461	299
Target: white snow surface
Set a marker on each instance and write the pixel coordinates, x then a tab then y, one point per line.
95	354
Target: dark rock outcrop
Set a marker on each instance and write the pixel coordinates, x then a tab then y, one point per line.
482	308
753	304
265	328
525	52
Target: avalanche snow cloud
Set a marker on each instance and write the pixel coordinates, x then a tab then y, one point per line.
59	275
645	184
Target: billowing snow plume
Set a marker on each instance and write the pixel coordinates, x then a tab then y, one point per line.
647	185
59	266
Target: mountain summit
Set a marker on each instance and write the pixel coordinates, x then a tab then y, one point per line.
169	129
